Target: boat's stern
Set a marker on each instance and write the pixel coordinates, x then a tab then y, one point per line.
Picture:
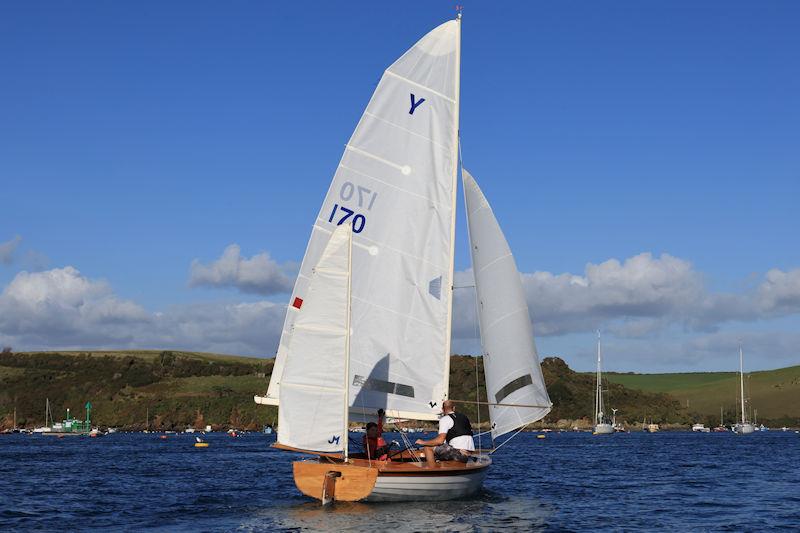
334	481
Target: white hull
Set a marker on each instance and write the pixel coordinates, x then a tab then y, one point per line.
393	488
744	429
603	429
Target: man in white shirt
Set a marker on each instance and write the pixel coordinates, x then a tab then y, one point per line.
454	441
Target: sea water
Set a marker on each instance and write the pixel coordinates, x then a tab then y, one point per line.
677	481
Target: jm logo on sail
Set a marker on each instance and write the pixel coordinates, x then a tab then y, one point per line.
334	439
415	104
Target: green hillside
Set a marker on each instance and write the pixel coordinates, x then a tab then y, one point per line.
177	388
190	388
775	394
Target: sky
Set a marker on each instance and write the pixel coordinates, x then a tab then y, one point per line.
161	165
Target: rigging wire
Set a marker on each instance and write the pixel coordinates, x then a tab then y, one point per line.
508	439
477	334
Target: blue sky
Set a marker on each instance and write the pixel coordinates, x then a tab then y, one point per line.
135	139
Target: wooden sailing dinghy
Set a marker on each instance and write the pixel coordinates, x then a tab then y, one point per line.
370	317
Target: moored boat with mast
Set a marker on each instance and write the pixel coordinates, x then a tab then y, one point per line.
743	427
369	321
601	424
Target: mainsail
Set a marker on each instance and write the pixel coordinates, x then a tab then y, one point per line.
396	185
312	396
513	373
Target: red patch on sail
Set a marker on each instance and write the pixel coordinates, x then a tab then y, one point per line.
298	302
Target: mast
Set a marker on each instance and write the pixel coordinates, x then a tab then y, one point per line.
599	392
456	133
741	380
346	433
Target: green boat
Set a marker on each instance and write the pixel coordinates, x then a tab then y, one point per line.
72	426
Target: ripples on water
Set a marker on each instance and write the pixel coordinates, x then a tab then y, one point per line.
664	481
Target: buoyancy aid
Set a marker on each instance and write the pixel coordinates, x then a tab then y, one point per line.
461	426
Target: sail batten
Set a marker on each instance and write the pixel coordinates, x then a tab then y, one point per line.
513	375
395	185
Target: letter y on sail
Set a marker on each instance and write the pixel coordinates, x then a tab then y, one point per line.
396	185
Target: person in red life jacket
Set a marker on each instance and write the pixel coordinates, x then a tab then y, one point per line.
454	441
374	445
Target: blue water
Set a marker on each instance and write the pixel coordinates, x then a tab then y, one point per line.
569	481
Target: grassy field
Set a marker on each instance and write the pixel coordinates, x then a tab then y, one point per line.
775	394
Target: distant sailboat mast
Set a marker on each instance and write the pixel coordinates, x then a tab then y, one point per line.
598	395
741	381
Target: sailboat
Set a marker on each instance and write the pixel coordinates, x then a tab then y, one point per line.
369	321
48	419
721	427
743	427
601	424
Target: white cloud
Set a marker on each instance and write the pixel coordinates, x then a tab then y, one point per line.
658	312
8	248
779	293
61	309
637	298
259	275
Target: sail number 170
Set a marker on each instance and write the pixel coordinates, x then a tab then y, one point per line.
359	220
366	198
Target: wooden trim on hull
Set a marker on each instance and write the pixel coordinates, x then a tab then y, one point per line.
351	485
404	480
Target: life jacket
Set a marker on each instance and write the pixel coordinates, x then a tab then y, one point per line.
461	426
370	450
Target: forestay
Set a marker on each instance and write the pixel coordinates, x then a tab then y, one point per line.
396	184
513	373
312	415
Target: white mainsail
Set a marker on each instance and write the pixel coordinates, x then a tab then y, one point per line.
511	365
313	415
396	185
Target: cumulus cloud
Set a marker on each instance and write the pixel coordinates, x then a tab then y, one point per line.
8	248
62	304
258	275
61	308
638	297
657	309
779	293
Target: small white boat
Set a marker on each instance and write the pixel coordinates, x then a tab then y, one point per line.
650	428
700	428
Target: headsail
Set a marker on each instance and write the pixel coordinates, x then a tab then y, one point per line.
513	373
312	414
396	184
